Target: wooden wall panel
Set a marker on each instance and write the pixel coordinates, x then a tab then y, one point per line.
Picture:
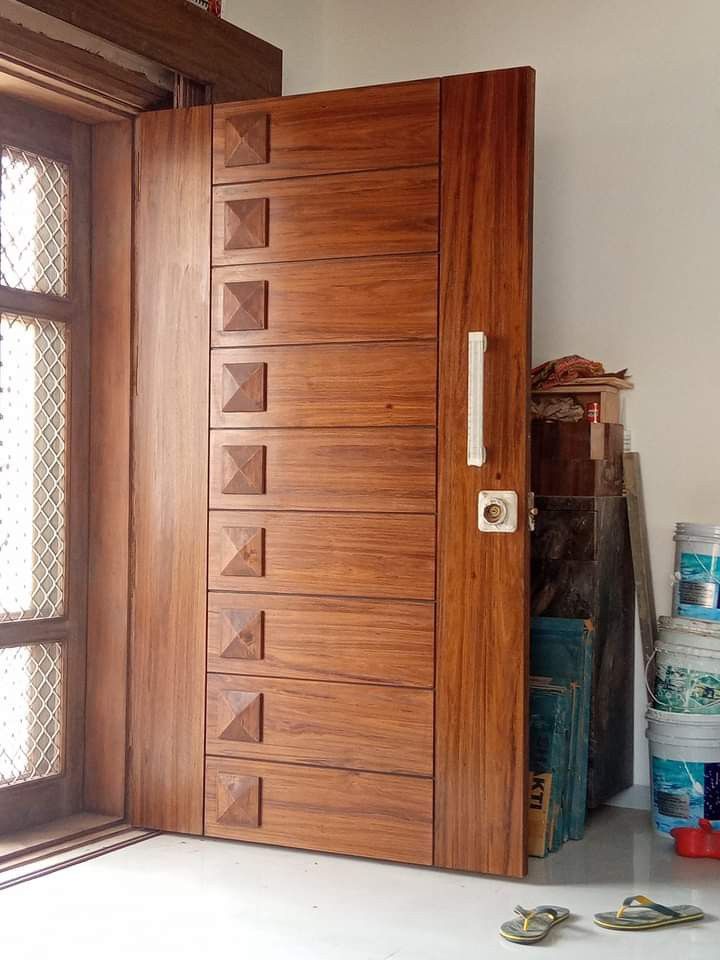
326	385
341	554
356	727
351	215
363	814
365	641
482	643
379	298
339	132
170	470
383	471
109	519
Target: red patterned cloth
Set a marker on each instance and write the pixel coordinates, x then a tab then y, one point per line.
554	373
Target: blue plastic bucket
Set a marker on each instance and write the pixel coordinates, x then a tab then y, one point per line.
684	769
697	571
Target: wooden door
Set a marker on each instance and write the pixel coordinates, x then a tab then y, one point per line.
366	643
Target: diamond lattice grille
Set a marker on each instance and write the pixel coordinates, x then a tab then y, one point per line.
33	387
34	205
30	712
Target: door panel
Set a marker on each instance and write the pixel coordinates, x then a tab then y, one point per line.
353	726
380	298
340	132
382	471
335	385
342	554
315	638
365	814
351	215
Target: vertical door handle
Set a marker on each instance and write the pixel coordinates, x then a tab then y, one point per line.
477	344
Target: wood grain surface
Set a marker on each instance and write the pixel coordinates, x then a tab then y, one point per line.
346	215
316	638
348	725
363	814
337	132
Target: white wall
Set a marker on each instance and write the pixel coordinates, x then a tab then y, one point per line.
627	196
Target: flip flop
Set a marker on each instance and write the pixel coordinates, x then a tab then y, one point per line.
533	925
647	915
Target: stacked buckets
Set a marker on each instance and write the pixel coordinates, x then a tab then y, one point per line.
684	726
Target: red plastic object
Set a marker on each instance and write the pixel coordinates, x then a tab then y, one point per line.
700	841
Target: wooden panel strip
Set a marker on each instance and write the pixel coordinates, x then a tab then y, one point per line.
170	471
338	811
482	646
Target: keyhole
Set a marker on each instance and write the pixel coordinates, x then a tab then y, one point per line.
494	512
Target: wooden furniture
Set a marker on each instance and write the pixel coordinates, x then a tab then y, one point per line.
577	459
305	376
582	568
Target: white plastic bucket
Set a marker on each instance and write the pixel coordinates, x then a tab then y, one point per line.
684	769
687	678
697	571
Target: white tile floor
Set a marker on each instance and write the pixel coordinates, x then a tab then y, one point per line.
188	899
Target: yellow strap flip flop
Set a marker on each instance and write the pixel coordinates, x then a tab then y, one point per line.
641	913
533	925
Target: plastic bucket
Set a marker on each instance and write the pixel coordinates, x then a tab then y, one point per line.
687	678
697	571
684	769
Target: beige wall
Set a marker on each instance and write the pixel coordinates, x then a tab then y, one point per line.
627	201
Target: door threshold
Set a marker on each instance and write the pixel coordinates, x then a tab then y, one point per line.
22	842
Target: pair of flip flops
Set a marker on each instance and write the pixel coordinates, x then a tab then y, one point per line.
635	913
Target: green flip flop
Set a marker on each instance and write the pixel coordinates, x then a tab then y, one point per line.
533	925
647	915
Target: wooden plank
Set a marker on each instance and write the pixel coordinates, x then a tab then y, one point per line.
641	561
482	643
369	470
379	298
363	814
332	554
343	131
313	218
183	38
170	486
363	641
353	726
325	385
108	558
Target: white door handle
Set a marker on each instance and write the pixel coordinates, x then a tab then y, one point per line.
477	344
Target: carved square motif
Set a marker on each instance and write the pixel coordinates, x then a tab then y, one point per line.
242	634
243	552
243	387
245	305
239	716
238	800
247	139
243	469
246	223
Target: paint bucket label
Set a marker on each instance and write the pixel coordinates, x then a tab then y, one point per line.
683	690
699	586
685	793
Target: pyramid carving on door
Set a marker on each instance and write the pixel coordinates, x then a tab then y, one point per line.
246	223
242	634
245	305
247	139
243	552
239	716
238	800
243	469
243	387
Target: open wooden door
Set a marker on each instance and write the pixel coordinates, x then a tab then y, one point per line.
313	394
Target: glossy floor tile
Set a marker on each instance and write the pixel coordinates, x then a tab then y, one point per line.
187	899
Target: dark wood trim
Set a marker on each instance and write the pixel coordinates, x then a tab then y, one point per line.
109	466
183	38
60	74
483	578
170	470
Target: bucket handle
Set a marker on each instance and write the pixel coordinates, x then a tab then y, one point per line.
651	694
